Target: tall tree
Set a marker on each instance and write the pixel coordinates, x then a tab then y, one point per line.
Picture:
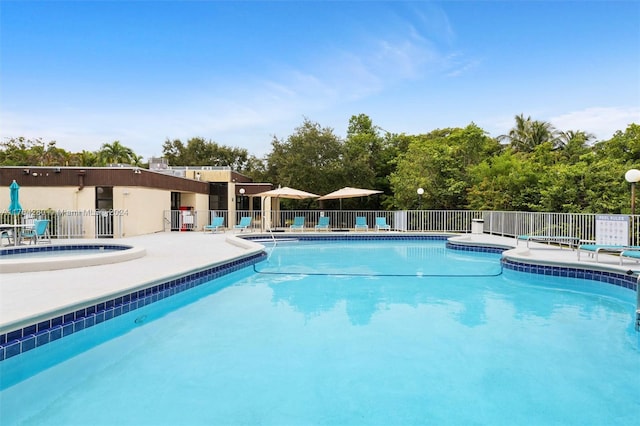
528	134
574	144
503	182
623	146
439	163
115	153
201	152
362	160
310	159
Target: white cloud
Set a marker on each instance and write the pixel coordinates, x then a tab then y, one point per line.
603	122
244	112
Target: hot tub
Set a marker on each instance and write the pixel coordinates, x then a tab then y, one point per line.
65	256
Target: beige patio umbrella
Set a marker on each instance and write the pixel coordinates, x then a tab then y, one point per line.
348	192
287	192
284	192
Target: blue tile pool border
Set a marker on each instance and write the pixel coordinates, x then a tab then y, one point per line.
629	281
619	279
476	248
26	338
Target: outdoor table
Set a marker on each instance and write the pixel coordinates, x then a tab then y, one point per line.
16	230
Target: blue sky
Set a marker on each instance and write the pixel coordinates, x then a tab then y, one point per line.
85	73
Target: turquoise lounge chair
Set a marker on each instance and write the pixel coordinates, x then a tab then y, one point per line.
217	223
323	224
381	223
361	223
557	239
39	233
298	223
630	253
594	249
245	222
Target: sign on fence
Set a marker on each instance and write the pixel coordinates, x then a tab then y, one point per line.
612	230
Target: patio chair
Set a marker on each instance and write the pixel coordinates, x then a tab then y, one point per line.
570	242
216	223
39	233
323	224
593	250
298	223
245	222
630	253
381	223
361	223
5	233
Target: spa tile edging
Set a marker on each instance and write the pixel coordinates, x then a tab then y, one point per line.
614	278
477	248
32	336
8	251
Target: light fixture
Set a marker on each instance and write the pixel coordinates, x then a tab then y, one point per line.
137	171
420	192
26	171
633	176
241	191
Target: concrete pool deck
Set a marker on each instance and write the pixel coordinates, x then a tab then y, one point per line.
29	296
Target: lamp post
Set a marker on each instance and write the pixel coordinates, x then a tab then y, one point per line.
633	176
420	192
241	191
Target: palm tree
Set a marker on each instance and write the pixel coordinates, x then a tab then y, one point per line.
115	153
573	144
528	134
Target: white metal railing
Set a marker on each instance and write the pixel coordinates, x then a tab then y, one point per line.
578	225
69	224
405	220
74	224
504	223
108	224
181	220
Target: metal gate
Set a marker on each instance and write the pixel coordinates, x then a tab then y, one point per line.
108	225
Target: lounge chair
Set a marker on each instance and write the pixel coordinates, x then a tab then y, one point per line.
39	233
298	223
245	222
558	239
216	223
630	253
381	223
594	249
361	223
323	224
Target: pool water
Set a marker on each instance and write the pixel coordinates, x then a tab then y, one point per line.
390	340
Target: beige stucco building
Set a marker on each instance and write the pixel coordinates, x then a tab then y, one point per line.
125	201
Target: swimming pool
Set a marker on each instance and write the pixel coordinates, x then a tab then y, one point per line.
391	336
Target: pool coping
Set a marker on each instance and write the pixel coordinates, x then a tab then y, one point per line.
122	253
48	327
